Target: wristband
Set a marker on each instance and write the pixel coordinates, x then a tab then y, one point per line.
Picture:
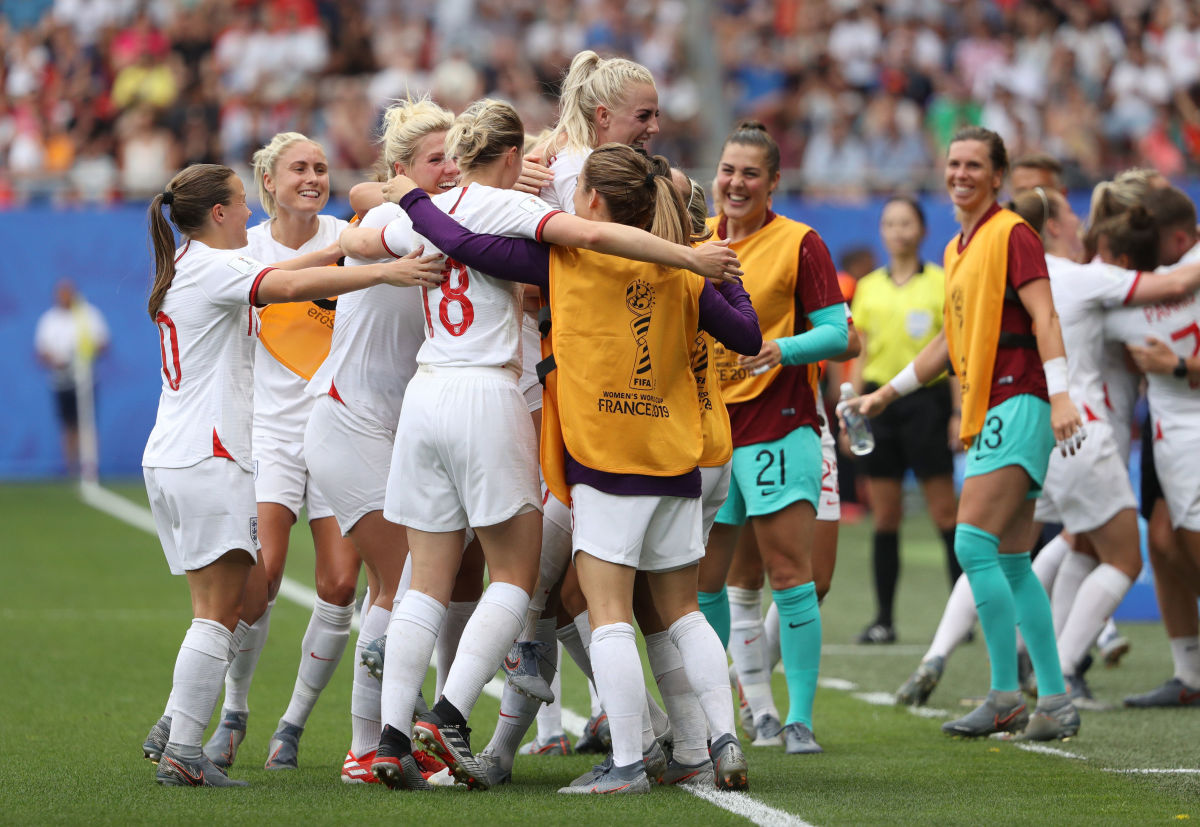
1181	369
1056	375
906	381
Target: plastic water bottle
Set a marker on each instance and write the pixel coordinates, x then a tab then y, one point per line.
858	429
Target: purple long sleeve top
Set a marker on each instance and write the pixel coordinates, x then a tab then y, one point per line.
725	312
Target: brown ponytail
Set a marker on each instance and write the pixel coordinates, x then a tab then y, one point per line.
638	191
190	195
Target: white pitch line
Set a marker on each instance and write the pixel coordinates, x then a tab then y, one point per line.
1044	750
876	698
858	650
837	683
739	804
748	808
1177	771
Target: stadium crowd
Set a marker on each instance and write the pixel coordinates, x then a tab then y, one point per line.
102	99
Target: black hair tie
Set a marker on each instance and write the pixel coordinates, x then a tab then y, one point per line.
650	179
168	197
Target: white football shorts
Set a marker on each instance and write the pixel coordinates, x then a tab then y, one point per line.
348	457
281	476
649	533
1085	491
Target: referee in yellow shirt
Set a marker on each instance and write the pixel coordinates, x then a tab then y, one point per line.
897	309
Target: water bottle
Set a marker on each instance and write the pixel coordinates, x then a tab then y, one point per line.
858	430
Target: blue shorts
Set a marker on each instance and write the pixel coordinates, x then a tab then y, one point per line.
1015	432
769	476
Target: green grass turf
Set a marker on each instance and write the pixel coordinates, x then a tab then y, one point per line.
90	623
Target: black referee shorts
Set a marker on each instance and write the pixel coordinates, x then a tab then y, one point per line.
68	407
912	433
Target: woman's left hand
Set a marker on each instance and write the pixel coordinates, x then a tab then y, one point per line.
766	359
1067	424
1155	357
396	188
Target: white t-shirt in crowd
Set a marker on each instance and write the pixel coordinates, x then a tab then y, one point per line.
207	332
376	335
281	406
473	319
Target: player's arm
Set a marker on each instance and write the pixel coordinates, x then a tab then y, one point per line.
1035	296
728	315
924	368
854	344
317	258
363	242
366	196
1157	357
274	286
1176	284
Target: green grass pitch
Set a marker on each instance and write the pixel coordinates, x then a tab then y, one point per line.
90	622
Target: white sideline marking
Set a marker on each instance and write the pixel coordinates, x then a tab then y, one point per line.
876	698
117	506
740	804
837	683
927	712
1180	771
1044	750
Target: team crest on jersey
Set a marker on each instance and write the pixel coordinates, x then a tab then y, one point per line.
639	298
254	530
243	265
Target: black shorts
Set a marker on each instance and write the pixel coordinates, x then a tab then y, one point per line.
68	407
1151	490
912	433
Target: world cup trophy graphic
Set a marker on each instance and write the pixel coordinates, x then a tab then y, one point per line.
639	298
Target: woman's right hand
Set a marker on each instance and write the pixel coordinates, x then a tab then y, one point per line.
534	175
714	260
415	270
874	403
396	188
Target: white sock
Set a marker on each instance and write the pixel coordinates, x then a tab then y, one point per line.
957	619
412	632
683	708
199	670
320	652
241	668
622	688
1099	595
517	711
457	615
549	716
1070	576
704	660
1049	560
556	554
239	635
488	636
771	627
1185	651
405	580
365	714
749	650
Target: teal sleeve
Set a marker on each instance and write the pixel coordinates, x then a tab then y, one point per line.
828	338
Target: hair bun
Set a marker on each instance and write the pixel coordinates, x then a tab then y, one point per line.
1140	217
751	125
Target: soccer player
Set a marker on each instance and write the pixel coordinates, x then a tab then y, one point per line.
197	462
777	460
999	324
359	389
292	176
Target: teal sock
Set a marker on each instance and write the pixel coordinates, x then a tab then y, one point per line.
800	648
715	607
1036	622
977	553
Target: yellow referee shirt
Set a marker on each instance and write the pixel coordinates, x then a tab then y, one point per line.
897	320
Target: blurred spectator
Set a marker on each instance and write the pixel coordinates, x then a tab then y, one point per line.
834	162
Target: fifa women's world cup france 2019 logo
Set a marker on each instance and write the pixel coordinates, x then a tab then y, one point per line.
639	298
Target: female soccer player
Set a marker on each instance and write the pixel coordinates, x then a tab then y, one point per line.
197	460
359	390
777	462
292	176
999	324
898	310
632	478
489	479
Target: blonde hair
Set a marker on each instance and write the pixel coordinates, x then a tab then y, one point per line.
190	195
483	132
265	160
592	81
638	191
405	123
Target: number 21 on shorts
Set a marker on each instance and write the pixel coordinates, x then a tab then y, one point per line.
454	295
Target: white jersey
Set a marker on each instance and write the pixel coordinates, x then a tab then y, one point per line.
1082	292
376	334
207	330
1172	400
281	406
566	167
473	319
